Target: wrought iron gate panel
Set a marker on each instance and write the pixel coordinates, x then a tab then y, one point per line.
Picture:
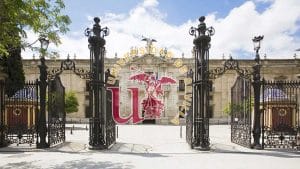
56	112
189	114
97	122
281	120
18	115
189	127
240	109
2	111
110	126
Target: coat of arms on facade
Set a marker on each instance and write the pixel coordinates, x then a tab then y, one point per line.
152	106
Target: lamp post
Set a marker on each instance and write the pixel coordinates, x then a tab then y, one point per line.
295	55
42	129
201	84
98	91
256	87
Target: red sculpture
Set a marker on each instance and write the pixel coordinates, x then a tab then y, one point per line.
152	105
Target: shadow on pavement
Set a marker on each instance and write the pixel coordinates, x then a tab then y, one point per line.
87	164
273	153
80	164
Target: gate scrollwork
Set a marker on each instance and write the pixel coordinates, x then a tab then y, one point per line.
230	64
69	64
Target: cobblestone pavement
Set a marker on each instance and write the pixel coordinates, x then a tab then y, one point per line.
148	146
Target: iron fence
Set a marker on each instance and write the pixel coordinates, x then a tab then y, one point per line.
18	117
280	102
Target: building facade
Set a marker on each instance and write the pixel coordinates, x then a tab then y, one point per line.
173	95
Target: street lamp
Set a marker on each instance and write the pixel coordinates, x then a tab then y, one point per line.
257	42
256	87
295	56
44	43
41	126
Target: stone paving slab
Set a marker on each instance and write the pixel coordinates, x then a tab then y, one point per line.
150	146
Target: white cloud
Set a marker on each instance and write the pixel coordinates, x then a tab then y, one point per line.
277	23
150	3
264	1
89	18
146	20
72	44
31	39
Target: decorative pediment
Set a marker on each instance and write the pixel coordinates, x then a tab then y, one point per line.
148	59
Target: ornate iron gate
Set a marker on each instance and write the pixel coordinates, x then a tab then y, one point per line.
56	100
189	116
2	127
241	101
56	112
18	115
281	119
240	109
110	126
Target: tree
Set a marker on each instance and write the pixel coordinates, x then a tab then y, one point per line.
13	67
71	102
43	17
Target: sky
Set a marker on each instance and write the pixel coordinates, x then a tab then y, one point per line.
235	22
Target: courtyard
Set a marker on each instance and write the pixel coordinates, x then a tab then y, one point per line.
193	71
147	146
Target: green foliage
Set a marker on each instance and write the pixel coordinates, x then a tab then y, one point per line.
13	67
245	105
230	107
227	109
71	102
43	17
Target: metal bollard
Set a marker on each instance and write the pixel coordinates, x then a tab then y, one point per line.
180	131
71	132
117	132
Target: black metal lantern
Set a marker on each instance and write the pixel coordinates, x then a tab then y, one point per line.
257	42
44	43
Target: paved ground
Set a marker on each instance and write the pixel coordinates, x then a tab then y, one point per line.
148	146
